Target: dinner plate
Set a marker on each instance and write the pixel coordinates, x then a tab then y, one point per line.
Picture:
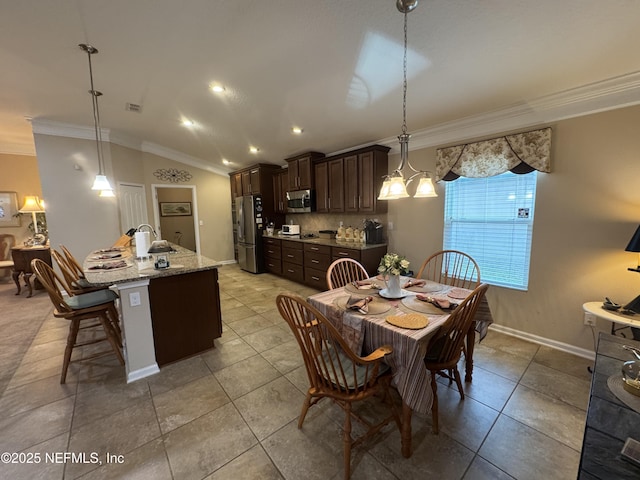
105	257
416	305
385	293
101	270
109	250
376	306
458	293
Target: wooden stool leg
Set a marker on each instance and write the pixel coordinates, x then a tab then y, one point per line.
434	407
108	330
115	322
74	326
347	441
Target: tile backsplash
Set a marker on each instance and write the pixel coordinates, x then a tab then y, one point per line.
314	222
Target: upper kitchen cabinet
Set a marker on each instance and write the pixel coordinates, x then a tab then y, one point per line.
364	170
280	187
350	182
256	180
301	171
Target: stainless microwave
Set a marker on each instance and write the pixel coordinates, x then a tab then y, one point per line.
301	201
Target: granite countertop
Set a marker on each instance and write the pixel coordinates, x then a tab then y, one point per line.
180	262
609	420
331	242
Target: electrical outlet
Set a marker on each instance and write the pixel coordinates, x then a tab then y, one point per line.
134	299
589	319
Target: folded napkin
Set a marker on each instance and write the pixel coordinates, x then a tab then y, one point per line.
107	256
415	283
442	303
109	266
359	304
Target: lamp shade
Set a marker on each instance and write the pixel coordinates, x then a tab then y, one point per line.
101	183
425	188
634	243
32	204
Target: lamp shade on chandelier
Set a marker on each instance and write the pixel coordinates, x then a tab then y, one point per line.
101	183
395	185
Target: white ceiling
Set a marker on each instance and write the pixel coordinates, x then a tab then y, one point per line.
333	67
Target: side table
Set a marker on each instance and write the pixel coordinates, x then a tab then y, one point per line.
22	257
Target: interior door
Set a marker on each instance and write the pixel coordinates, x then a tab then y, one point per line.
132	200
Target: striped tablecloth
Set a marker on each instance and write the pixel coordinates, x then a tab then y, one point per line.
365	333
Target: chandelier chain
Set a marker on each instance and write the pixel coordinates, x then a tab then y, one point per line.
404	84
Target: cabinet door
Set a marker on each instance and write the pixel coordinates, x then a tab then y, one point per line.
351	184
294	175
336	185
254	180
367	182
305	174
279	192
246	183
236	183
322	187
284	187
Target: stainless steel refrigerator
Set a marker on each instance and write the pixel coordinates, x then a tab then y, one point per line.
249	226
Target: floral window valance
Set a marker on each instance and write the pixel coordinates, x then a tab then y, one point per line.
518	153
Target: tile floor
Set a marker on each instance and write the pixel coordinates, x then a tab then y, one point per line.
231	413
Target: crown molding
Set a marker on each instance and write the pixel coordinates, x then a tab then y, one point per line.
610	94
58	129
180	157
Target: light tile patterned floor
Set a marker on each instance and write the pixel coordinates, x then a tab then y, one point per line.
232	412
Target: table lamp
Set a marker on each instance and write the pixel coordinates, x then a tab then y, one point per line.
32	205
634	246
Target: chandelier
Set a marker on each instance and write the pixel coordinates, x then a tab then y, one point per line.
395	185
100	183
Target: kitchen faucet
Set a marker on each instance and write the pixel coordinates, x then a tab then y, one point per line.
155	235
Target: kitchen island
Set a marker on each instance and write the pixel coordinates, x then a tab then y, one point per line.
167	314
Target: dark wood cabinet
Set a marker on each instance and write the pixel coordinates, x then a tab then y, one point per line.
236	185
301	171
293	260
363	176
185	311
280	184
322	187
256	180
369	258
272	249
336	185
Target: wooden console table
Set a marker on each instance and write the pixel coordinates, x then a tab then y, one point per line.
22	257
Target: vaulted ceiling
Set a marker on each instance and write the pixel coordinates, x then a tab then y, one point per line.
330	67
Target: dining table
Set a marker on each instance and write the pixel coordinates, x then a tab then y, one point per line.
364	332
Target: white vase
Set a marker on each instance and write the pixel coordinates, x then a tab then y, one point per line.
393	286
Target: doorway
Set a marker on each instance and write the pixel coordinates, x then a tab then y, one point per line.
175	213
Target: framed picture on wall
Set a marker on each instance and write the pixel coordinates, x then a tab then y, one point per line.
9	210
175	209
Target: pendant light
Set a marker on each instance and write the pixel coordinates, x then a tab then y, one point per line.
394	185
101	182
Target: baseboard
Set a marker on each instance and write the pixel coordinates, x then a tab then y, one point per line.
227	262
142	373
565	347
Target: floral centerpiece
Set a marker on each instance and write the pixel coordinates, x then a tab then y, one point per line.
393	264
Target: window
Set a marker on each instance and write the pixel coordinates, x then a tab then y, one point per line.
491	219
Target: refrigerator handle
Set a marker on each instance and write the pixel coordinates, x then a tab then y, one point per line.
241	222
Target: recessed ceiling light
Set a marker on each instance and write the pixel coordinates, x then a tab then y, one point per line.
297	130
217	88
188	123
254	149
226	162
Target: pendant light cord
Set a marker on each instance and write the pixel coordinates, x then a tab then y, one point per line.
96	112
404	85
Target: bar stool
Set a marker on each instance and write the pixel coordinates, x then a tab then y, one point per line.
78	284
78	309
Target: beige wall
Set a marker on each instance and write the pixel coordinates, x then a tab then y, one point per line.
587	209
19	173
82	221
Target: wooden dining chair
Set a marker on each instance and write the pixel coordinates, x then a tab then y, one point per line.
451	267
343	271
446	346
335	372
79	310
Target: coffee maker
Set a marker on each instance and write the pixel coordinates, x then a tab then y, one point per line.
373	232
